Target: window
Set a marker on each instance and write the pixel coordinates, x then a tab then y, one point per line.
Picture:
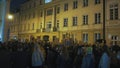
22	27
49	25
111	14
25	17
65	24
85	19
49	12
114	39
97	1
34	4
97	18
75	4
116	11
57	23
41	14
40	2
85	37
85	3
58	10
29	16
64	36
66	7
33	26
30	6
34	15
97	36
74	21
40	25
28	26
114	14
25	27
54	38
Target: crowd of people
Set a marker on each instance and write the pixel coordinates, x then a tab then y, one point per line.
44	54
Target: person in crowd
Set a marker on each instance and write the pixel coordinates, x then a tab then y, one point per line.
51	57
37	57
62	58
78	56
105	59
118	57
97	52
88	59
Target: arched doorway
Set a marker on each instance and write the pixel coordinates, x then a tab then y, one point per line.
46	38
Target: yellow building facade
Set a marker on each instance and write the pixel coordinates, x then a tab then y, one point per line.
81	20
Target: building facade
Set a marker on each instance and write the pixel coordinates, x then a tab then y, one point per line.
4	10
79	20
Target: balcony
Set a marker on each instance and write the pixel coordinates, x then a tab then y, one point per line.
55	29
38	30
48	30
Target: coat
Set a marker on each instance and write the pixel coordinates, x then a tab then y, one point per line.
37	57
104	61
88	61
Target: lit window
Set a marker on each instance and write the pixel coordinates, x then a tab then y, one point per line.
33	26
97	36
75	4
65	24
58	10
85	19
49	12
85	37
85	3
49	25
97	18
66	7
74	21
114	39
97	1
114	14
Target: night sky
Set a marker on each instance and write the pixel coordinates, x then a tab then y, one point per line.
15	4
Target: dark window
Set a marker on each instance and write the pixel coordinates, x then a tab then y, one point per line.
116	13
65	23
97	18
40	2
85	3
49	12
75	4
33	26
85	20
111	14
34	15
66	7
97	36
74	21
85	37
58	10
41	14
97	1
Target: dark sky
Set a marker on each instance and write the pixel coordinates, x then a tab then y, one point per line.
16	4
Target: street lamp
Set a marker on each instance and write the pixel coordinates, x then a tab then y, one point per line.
104	18
10	17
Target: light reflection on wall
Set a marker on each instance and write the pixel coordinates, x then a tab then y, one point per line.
2	18
47	1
